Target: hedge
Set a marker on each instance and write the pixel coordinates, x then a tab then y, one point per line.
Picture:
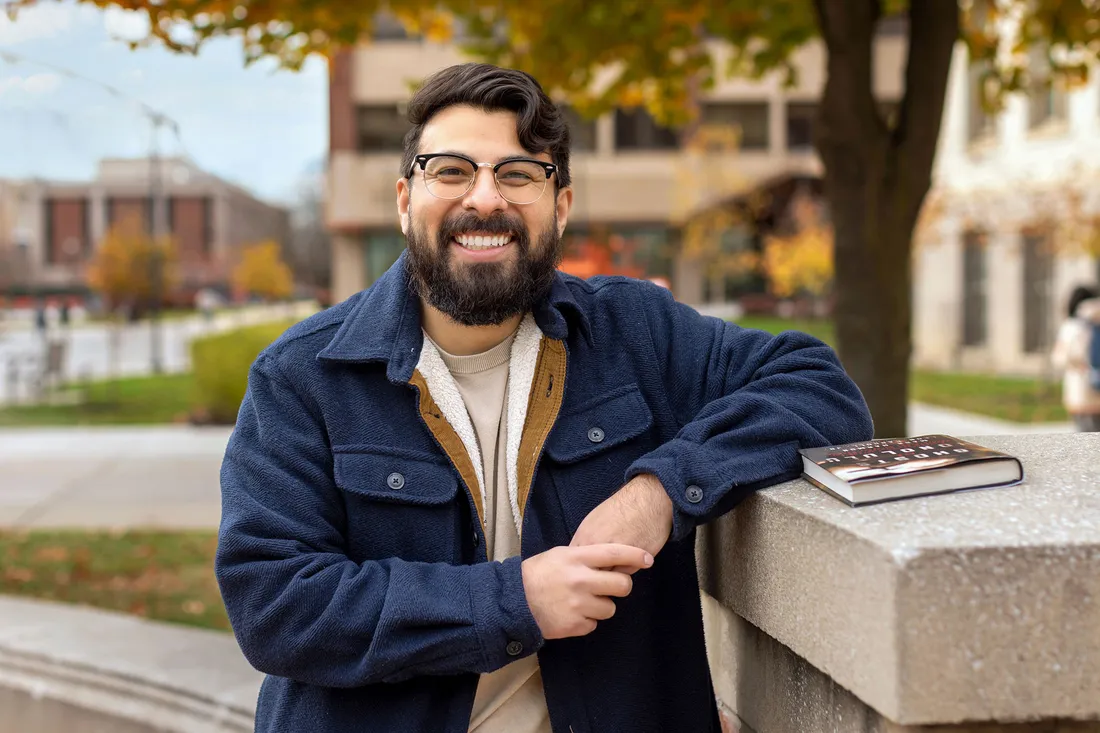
220	364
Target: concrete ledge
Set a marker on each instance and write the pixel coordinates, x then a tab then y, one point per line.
773	689
975	607
77	668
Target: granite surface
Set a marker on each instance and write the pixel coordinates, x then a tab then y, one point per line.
770	689
975	606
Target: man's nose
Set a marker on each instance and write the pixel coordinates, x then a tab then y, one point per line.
483	197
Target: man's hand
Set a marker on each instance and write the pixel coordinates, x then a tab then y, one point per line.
569	588
639	514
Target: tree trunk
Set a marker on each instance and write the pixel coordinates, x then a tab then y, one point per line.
876	178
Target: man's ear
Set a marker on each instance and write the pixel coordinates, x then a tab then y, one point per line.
564	204
403	204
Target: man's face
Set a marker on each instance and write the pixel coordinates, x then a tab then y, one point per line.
479	258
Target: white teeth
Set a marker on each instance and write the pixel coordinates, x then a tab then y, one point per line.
482	242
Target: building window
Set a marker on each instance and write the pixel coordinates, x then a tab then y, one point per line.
386	27
975	297
635	129
749	118
1046	102
582	131
1046	97
207	225
980	122
800	125
894	24
67	229
381	128
121	209
1037	285
381	250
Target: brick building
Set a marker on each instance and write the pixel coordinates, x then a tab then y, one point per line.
51	229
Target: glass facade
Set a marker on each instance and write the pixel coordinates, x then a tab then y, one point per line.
380	251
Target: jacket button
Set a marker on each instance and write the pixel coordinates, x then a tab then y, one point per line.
396	481
514	649
596	435
693	494
477	538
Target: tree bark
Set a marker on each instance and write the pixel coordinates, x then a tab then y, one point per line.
876	178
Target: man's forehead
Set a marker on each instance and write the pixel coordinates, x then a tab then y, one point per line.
484	136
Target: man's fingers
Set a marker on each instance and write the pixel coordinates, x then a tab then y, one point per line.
607	583
601	609
612	555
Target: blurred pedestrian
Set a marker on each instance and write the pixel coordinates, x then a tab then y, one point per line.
1077	353
41	323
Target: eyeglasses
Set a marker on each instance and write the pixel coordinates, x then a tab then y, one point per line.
449	176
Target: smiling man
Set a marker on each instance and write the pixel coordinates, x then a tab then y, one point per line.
466	498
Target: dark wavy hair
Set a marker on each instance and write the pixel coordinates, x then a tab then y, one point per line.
1079	295
539	122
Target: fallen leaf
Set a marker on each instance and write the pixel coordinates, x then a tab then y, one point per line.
52	554
19	575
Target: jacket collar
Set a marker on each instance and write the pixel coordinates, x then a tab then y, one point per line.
384	324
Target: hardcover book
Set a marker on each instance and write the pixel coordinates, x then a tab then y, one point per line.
898	468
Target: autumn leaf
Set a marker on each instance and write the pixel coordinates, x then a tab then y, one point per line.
802	262
130	266
19	575
262	272
52	554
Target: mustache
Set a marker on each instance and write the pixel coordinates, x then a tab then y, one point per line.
468	221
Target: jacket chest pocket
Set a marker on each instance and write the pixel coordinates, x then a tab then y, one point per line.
591	447
399	506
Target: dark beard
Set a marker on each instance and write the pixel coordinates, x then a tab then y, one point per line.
483	293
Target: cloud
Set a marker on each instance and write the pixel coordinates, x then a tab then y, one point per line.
34	85
41	84
38	22
127	25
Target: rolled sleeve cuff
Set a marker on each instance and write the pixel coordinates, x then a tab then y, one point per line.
505	626
693	489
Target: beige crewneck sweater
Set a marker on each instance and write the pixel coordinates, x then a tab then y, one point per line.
510	700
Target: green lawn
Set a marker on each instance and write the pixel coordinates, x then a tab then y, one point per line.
133	401
1007	398
166	576
773	324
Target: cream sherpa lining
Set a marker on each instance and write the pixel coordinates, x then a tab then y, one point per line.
521	373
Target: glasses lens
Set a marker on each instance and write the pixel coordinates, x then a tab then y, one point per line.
447	177
521	182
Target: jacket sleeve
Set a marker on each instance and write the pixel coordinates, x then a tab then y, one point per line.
746	402
301	609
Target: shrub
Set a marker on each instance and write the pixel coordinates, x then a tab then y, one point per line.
220	364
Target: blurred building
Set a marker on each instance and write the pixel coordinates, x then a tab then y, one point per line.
1011	226
16	229
635	181
51	228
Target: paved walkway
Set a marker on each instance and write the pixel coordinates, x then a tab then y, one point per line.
111	478
168	476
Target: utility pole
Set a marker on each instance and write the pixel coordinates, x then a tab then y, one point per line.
157	231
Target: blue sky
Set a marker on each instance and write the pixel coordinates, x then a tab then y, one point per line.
262	128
